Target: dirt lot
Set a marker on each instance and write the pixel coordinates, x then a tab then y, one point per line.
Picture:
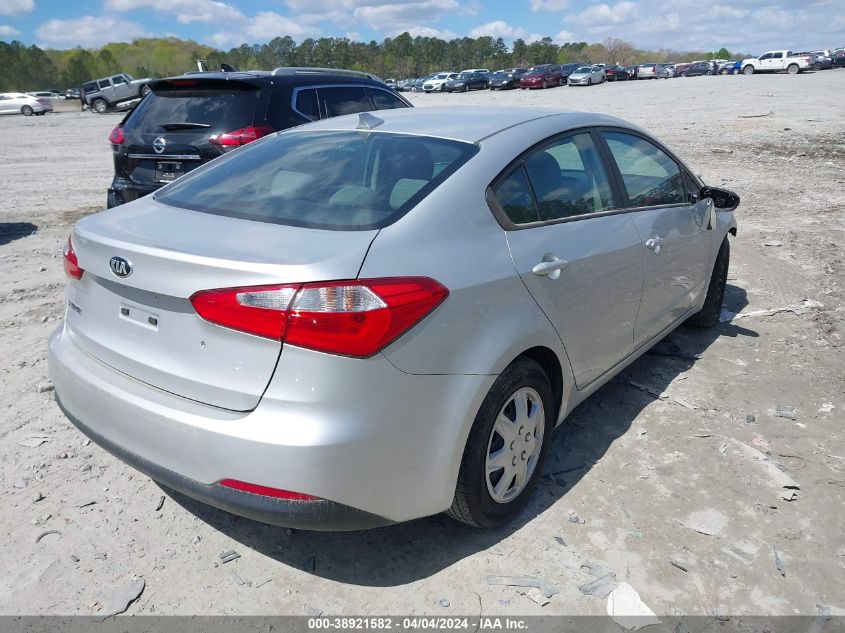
637	476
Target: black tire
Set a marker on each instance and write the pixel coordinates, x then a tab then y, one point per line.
817	66
793	69
748	70
99	106
145	90
708	316
27	110
472	503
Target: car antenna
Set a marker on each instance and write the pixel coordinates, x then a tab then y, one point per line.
367	121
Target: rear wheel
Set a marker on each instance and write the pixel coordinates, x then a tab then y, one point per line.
26	110
708	316
145	90
589	81
724	71
792	69
99	106
817	66
506	447
748	70
545	84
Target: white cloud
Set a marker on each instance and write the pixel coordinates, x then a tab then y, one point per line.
401	15
549	5
88	31
354	36
498	28
604	14
262	27
16	7
427	31
8	31
564	36
186	11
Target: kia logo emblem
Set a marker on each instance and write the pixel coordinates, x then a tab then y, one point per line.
159	144
120	266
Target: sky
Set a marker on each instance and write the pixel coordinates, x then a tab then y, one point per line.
741	25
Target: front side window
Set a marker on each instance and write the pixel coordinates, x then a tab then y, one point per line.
118	80
650	176
326	180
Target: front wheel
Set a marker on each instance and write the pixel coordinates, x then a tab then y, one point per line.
590	81
792	69
708	316
145	90
26	110
723	72
506	447
748	70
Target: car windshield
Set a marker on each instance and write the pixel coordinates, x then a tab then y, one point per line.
539	69
464	76
442	76
327	180
584	69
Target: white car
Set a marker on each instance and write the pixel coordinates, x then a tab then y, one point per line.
438	82
27	105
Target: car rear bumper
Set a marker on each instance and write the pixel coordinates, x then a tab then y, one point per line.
375	445
123	191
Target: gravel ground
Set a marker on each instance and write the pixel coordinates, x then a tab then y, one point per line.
654	468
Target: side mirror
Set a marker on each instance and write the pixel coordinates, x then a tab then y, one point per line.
723	199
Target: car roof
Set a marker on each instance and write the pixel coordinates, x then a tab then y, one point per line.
461	123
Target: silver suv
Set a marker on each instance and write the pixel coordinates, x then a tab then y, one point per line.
113	91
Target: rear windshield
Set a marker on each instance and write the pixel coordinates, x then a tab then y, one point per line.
327	180
223	110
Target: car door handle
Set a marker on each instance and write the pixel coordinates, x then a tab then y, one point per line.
653	244
550	268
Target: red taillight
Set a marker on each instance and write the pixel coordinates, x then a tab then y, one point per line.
352	318
71	263
245	135
259	310
116	137
264	491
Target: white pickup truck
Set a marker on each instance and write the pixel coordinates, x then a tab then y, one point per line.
776	61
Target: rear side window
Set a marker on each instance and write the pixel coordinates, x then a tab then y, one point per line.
650	176
103	83
223	110
328	180
514	195
343	100
91	87
306	103
568	179
384	100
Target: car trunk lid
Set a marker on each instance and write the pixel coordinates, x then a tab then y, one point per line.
144	324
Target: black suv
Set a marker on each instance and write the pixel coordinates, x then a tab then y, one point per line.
189	120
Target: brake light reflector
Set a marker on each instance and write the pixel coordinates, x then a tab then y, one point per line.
265	491
116	137
71	263
352	318
242	136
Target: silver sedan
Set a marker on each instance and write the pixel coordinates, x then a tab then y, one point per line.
375	318
587	76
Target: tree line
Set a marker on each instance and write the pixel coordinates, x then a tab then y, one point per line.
25	68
